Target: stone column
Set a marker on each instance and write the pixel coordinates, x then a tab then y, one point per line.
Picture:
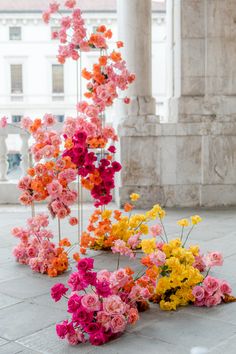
137	121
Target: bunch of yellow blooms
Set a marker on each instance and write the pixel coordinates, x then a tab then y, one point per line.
106	227
179	276
176	275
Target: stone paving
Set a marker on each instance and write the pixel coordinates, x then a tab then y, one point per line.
28	315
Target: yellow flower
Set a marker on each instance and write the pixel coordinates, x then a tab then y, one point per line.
106	214
134	196
183	222
167	305
144	229
196	219
148	246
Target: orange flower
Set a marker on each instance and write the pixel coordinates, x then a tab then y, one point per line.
82	250
31	172
128	207
98	77
88	94
117	214
108	34
52	272
86	74
68	144
49	165
115	56
76	257
103	60
65	242
109	157
87	184
101	28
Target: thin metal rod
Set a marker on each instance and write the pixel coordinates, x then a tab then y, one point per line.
30	166
59	229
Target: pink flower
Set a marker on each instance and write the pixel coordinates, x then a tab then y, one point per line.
213	300
103	275
98	338
46	16
104	319
53	7
214	259
49	119
118	324
133	315
26	122
61	329
198	292
119	278
70	3
54	188
210	284
199	263
113	305
103	288
90	302
85	264
156	230
72	338
3	122
57	291
225	288
158	258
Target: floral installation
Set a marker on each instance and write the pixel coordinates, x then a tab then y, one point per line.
101	304
120	232
36	249
182	273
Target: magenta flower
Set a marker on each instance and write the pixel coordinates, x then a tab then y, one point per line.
57	291
85	264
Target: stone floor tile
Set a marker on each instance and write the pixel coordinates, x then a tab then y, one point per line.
23	319
47	342
185	328
14	348
6	301
3	341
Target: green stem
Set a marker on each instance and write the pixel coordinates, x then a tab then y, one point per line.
164	230
188	235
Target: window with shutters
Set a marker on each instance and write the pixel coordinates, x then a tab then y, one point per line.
57	79
15	33
16	79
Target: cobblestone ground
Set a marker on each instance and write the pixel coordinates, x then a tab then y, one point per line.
28	316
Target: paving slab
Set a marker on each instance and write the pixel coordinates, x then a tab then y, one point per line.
14	348
24	318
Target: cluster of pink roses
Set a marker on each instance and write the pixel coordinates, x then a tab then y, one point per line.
211	292
102	314
35	248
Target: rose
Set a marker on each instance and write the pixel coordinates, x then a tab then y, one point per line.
156	230
89	278
92	327
210	284
91	302
61	329
103	275
118	324
82	316
57	291
119	278
74	282
198	292
72	338
85	264
103	288
133	316
213	300
74	303
73	221
214	259
31	251
98	338
113	305
104	319
225	288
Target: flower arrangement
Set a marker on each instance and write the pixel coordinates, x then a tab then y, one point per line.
101	304
120	232
182	272
37	250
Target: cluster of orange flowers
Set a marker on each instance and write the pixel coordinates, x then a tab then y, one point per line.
60	262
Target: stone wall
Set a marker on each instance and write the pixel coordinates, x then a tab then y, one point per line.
190	161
